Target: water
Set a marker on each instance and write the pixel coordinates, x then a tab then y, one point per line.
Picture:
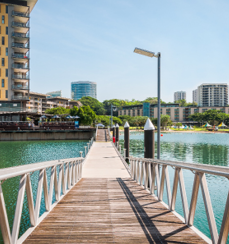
194	148
19	153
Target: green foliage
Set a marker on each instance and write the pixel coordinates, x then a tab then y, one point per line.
74	111
152	100
86	114
212	116
58	111
105	120
165	119
183	103
94	104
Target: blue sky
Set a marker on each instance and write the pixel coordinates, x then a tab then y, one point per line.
88	40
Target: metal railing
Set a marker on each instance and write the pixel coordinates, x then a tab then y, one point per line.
21	35
20	14
20	87
18	24
20	45
146	172
20	97
7	109
64	175
20	66
21	76
20	55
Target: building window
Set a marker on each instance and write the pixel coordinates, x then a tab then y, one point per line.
7	51
6	93
3	83
3	40
3	19
7	9
6	72
3	62
6	30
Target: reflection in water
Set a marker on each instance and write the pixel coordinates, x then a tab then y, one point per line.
193	148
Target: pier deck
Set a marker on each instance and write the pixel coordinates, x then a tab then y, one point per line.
107	206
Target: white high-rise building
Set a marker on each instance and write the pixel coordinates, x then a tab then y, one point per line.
194	96
179	95
212	95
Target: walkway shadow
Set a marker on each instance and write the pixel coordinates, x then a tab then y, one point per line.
151	232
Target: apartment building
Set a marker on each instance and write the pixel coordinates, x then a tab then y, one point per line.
212	95
39	103
176	113
14	50
179	95
194	96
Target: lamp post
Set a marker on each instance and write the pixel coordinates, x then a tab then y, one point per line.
112	109
158	56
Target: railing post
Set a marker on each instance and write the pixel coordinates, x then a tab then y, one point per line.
4	223
85	150
81	154
120	148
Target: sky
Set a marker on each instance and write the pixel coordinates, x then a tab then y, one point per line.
88	40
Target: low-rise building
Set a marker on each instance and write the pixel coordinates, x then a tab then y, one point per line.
176	113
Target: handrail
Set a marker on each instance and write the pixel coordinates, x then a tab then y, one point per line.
69	172
146	172
208	169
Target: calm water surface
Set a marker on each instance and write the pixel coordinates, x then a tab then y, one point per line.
194	148
19	153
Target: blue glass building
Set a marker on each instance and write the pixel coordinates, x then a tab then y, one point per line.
81	89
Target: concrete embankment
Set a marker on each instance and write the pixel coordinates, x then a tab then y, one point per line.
38	135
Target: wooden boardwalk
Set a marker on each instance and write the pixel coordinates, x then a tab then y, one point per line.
112	209
103	135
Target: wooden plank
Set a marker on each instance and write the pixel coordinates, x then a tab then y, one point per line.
115	210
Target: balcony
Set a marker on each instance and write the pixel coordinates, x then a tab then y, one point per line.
20	27
20	14
20	98
20	77
20	67
20	47
20	57
20	87
21	37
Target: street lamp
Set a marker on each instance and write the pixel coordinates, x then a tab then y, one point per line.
158	56
112	109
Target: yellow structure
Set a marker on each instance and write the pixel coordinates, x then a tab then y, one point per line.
14	50
4	52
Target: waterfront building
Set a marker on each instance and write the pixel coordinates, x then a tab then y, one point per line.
179	95
15	52
54	94
37	104
81	89
176	113
194	96
212	95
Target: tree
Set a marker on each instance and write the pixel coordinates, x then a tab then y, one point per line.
74	111
86	114
57	111
94	104
183	103
165	119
